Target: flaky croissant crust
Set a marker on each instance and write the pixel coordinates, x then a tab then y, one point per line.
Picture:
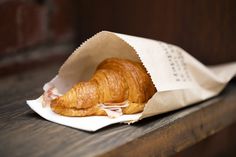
115	81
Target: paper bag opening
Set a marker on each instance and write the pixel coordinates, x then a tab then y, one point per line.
83	62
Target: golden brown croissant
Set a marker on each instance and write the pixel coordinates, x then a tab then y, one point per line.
115	82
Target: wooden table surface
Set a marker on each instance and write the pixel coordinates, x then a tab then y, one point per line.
24	133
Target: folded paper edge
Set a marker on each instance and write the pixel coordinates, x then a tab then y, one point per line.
93	129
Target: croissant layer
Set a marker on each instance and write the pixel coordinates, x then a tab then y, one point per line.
115	82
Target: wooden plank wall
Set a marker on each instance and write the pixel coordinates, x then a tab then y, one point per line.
205	28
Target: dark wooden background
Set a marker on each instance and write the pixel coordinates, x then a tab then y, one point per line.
205	28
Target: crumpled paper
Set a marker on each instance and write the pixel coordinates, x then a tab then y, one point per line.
179	78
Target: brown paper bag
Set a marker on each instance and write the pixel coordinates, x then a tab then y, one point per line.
179	78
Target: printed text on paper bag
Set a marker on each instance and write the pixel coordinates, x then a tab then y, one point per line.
176	62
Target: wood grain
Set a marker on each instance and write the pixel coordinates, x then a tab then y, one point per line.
205	28
24	133
220	144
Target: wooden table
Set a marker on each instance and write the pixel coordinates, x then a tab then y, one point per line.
24	133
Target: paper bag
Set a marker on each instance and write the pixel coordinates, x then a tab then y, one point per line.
179	78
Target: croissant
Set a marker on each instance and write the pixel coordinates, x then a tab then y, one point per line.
115	82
